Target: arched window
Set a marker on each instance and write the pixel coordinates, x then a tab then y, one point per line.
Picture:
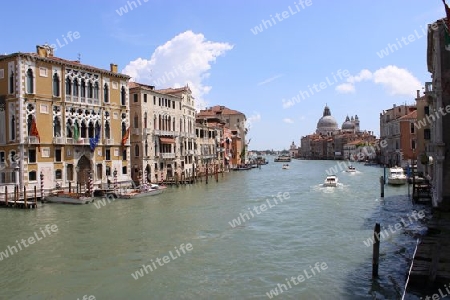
75	88
29	121
96	88
145	120
69	128
123	95
56	85
90	90
91	130
13	127
83	88
83	130
68	86
56	127
146	148
124	129
136	150
30	83
106	93
136	121
154	122
11	83
107	130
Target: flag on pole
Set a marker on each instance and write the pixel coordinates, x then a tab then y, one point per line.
76	133
93	142
34	132
125	136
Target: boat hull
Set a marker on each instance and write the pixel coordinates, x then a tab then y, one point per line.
138	194
397	181
64	199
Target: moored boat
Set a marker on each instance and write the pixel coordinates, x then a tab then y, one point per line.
397	176
68	198
144	191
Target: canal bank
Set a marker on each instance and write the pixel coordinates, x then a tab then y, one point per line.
96	250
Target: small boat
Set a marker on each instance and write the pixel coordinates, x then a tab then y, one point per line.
144	191
285	167
242	168
331	181
68	198
397	176
351	169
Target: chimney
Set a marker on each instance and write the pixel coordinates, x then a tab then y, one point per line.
418	93
113	68
44	50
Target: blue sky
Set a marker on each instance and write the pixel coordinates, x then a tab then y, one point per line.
212	46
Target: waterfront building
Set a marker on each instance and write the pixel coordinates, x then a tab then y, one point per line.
437	94
423	133
293	150
62	119
163	139
328	140
391	132
235	121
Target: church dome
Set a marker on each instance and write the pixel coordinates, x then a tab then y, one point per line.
348	125
327	123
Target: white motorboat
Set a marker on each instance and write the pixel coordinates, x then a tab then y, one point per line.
397	176
285	167
68	198
331	181
144	191
351	169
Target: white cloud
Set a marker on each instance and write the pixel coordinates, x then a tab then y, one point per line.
288	121
256	117
346	88
397	81
185	59
270	79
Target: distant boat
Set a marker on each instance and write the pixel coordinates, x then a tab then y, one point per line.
283	158
351	169
331	181
285	167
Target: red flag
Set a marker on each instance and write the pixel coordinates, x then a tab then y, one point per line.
125	137
447	13
34	132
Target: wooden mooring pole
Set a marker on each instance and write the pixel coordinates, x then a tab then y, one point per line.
35	197
376	250
25	196
6	195
382	186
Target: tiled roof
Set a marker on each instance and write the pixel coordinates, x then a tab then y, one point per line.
411	115
71	63
219	109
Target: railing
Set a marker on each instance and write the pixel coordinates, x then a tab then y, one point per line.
167	155
147	131
109	142
167	132
135	131
58	140
190	152
33	140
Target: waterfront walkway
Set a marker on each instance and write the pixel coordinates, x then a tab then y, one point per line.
431	264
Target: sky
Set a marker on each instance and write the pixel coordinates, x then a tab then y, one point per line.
278	62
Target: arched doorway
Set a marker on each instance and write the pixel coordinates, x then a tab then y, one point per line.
149	173
83	168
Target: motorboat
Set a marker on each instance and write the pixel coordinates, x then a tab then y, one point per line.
285	167
351	169
331	181
397	176
68	198
143	191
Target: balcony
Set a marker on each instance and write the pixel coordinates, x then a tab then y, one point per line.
428	87
167	155
146	131
190	152
33	140
166	132
82	141
135	131
109	142
59	140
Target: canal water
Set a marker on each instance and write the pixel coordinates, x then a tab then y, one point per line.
184	244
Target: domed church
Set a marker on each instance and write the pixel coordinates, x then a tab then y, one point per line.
328	126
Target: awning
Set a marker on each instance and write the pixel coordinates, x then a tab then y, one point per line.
166	140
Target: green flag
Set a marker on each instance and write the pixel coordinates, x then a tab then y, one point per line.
76	134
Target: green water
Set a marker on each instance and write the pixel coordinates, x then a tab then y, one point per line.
95	251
